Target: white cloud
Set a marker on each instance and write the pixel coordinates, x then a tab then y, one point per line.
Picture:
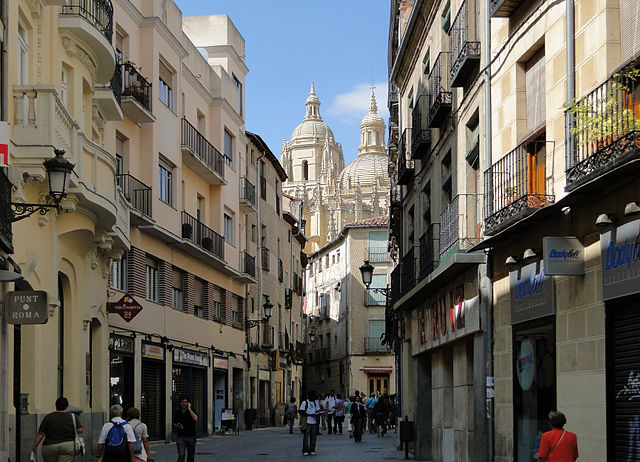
354	104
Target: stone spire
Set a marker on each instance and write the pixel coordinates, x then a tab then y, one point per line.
313	105
373	105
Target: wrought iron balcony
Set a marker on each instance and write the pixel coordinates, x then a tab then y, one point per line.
459	226
265	258
395	213
200	153
248	264
136	93
374	298
605	130
396	282
405	163
136	192
409	275
429	250
375	345
504	8
378	254
515	186
202	236
6	213
464	45
247	195
420	131
99	13
440	91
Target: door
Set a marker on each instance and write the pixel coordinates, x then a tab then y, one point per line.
153	398
220	397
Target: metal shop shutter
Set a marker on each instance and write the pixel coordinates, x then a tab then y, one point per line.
153	398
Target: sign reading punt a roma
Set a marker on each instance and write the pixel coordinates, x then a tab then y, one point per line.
126	307
27	307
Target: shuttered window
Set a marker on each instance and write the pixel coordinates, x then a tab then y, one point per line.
629	29
536	94
198	298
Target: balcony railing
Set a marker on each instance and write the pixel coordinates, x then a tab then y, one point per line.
202	236
429	250
248	263
200	147
116	83
374	345
440	91
420	131
396	282
135	85
459	225
405	163
464	45
504	8
374	298
378	254
409	275
97	12
6	213
515	186
265	258
247	192
605	129
136	192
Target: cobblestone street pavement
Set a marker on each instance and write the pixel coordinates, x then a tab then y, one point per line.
275	444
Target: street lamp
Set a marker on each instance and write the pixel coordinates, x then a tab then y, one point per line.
312	335
367	273
268	310
58	172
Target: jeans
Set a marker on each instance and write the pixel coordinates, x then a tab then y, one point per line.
330	423
357	428
338	424
186	444
291	421
309	439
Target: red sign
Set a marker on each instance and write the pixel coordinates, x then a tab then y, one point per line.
4	143
126	307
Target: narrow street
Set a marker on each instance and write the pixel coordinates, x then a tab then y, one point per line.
276	444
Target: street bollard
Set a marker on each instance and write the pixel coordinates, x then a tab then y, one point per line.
406	434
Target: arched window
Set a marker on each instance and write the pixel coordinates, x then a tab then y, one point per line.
305	170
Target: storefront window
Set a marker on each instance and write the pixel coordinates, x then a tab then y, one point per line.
534	384
121	371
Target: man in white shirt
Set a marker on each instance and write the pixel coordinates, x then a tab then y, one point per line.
310	408
111	453
330	406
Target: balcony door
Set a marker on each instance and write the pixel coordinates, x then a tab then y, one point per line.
536	162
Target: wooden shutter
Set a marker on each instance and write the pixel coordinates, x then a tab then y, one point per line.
629	29
536	93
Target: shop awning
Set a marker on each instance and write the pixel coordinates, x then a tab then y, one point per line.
378	370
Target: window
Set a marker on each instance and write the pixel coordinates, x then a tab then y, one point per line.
177	294
378	281
119	274
410	99
369	139
377	246
165	183
426	200
152	280
165	85
228	148
198	297
200	208
376	329
536	93
338	256
63	86
236	317
228	228
426	62
254	232
23	55
305	170
201	123
277	205
238	85
446	17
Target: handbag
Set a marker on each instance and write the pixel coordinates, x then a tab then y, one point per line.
79	447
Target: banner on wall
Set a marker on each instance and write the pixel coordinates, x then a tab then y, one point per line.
532	293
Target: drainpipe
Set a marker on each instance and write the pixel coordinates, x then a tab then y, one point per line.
486	277
571	81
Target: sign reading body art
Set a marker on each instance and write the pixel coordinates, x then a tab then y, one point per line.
532	293
563	256
27	307
620	250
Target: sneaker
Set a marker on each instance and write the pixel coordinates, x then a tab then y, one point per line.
313	453
305	453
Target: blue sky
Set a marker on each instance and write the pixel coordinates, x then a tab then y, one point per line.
340	45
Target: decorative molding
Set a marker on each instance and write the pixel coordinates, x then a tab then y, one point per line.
74	49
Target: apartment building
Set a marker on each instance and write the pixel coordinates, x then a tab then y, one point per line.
435	156
346	327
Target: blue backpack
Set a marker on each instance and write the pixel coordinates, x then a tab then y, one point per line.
116	443
137	446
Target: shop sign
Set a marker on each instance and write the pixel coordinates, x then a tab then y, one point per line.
195	358
563	256
4	145
121	344
620	249
447	317
220	363
151	351
27	307
264	375
126	307
531	292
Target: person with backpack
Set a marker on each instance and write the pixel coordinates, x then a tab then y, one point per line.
184	421
116	439
141	446
57	430
290	413
312	409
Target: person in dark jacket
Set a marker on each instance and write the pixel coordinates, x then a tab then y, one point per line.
184	421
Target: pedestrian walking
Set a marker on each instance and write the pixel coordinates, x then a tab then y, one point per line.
310	408
330	409
184	421
322	425
381	411
140	431
348	402
116	438
339	414
58	432
558	445
290	413
371	415
358	416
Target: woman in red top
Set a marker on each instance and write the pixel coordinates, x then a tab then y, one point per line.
558	445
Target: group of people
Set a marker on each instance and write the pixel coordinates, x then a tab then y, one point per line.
120	440
330	411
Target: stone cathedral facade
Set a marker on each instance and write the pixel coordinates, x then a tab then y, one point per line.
335	194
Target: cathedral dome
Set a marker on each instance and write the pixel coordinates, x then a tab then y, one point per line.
312	126
364	170
372	119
